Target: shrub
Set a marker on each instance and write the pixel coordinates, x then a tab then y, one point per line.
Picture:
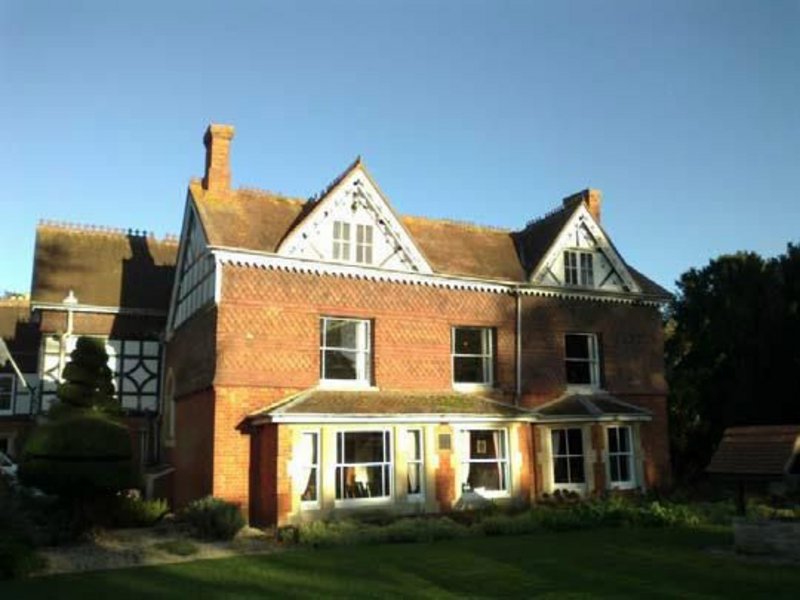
213	518
408	530
133	511
18	557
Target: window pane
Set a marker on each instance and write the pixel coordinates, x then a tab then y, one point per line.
482	444
613	444
413	445
624	439
468	370
577	346
310	493
485	475
414	478
576	469
575	441
560	470
341	334
624	469
340	364
559	440
469	341
579	372
363	447
614	468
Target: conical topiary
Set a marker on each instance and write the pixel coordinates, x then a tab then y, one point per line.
84	449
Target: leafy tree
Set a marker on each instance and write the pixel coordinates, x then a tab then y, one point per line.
732	352
83	451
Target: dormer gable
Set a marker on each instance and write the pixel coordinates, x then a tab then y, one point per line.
354	223
581	255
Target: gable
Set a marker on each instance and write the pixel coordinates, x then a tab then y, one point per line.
353	223
583	237
195	275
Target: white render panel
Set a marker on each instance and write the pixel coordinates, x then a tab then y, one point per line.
582	234
355	201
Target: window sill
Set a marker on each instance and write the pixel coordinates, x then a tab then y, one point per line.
491	494
584	388
346	384
359	502
309	505
622	485
470	388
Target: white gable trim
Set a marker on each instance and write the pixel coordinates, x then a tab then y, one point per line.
583	218
189	211
356	190
263	260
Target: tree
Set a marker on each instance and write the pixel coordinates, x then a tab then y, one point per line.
732	352
83	450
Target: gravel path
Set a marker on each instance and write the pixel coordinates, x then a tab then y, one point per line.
121	548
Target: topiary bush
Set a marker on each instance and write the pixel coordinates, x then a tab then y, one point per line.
214	518
81	454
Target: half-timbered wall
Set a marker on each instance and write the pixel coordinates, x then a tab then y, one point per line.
196	273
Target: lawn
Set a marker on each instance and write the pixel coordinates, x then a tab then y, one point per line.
639	563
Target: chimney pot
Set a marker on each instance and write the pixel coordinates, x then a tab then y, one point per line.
217	140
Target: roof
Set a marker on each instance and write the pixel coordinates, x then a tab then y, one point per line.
589	406
103	267
259	221
317	402
764	450
21	336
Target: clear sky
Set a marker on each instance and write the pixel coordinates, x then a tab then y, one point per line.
685	114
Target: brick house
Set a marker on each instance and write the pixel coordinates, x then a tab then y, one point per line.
330	356
312	358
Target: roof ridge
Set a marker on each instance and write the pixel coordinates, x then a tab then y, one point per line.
275	195
551	213
87	228
460	223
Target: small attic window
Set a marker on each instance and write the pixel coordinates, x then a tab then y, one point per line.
579	268
343	241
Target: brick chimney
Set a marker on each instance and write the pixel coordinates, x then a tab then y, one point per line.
218	163
591	198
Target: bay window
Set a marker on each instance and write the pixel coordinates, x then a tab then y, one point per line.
414	468
308	466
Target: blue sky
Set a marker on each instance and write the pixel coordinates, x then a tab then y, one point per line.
685	114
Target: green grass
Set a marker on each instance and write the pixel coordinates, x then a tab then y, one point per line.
651	563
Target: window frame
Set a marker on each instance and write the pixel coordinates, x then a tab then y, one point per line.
363	363
364	248
570	486
388	456
578	268
593	360
465	461
315	464
11	393
342	240
486	356
419	461
631	482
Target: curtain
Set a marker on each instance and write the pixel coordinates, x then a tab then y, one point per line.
413	454
305	468
496	441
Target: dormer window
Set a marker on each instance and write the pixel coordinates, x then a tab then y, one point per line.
341	240
578	268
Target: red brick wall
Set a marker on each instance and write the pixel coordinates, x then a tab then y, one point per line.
655	441
190	353
193	454
630	337
527	476
268	329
